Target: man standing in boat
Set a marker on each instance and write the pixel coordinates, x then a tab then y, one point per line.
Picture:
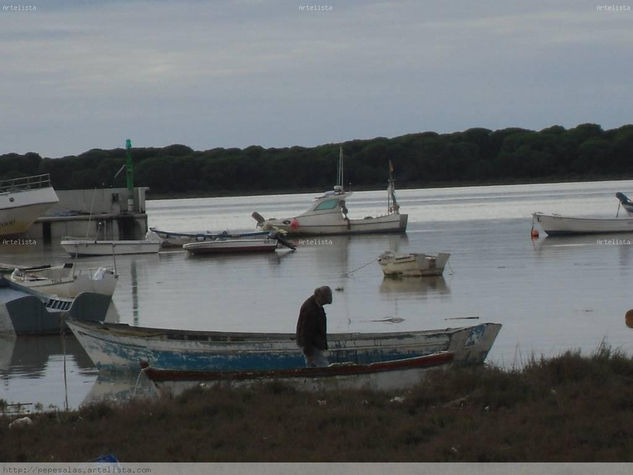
312	327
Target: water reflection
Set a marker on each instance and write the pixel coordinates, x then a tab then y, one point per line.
49	370
120	388
30	355
134	286
414	285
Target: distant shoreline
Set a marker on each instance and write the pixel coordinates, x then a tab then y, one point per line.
440	184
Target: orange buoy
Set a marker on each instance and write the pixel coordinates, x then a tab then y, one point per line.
628	318
534	233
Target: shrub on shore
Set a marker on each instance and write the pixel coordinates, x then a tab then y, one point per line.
568	408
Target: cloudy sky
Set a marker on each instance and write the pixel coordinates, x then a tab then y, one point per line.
82	74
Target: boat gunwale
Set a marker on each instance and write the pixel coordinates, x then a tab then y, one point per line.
336	369
125	330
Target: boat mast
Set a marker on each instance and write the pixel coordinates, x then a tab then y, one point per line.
129	165
339	179
392	204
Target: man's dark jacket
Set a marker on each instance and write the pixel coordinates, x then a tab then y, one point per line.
311	327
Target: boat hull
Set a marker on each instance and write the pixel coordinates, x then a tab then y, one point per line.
224	246
26	312
384	376
413	264
555	225
64	281
19	209
85	247
332	225
119	347
172	239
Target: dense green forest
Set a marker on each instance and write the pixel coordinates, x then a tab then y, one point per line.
477	155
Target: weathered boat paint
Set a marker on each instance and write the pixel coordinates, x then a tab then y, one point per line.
120	347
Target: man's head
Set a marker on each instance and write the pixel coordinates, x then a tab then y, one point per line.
323	295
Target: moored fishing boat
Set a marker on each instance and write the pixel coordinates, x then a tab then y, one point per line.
22	201
412	264
328	214
120	347
382	376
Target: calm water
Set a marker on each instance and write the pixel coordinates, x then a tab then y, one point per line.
550	295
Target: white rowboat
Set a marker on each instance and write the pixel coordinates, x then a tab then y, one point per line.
412	264
554	224
88	247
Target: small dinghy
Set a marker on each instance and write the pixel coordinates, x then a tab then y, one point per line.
412	264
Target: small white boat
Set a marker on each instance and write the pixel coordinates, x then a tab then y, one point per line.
22	201
554	224
179	239
65	280
91	247
412	264
328	215
219	246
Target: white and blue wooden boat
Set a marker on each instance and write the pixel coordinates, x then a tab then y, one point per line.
384	375
120	347
24	311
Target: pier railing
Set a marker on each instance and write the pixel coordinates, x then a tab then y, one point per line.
25	183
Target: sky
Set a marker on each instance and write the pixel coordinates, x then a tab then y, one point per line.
82	74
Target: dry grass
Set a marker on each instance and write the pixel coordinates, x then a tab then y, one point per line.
569	408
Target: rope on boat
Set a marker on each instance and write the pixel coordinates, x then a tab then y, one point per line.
349	274
138	380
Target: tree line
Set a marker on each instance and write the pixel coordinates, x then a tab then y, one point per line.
477	155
